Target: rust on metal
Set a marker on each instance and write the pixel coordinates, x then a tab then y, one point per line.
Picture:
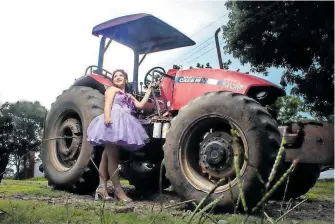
310	142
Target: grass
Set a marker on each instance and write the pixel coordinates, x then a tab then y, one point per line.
323	190
29	187
32	211
37	212
34	187
40	212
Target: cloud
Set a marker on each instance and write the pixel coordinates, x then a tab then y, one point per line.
45	46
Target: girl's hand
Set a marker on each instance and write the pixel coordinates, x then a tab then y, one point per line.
108	121
152	85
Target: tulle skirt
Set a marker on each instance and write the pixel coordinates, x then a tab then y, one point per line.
125	131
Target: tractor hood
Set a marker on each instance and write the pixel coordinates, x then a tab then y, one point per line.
196	82
235	81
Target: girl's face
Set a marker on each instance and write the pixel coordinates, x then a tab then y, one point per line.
119	79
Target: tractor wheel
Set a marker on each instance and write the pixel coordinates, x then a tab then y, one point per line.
199	148
66	162
300	181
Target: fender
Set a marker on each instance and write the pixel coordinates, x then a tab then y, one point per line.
95	81
189	84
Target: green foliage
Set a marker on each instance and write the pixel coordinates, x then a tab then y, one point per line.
41	178
198	65
29	188
323	190
21	126
226	64
294	35
289	109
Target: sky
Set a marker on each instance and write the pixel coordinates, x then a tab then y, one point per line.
46	45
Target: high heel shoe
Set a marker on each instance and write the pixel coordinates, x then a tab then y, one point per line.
102	195
123	198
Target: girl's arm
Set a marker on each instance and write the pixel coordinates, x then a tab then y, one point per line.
140	105
109	98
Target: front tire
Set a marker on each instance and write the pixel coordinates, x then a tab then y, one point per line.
66	162
213	115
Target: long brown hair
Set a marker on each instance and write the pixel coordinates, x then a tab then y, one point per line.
125	74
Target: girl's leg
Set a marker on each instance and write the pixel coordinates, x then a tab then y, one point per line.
113	153
103	177
103	169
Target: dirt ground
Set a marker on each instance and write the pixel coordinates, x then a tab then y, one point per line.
310	209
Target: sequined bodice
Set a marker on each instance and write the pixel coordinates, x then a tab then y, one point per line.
123	100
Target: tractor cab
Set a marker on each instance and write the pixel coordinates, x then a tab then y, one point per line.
144	34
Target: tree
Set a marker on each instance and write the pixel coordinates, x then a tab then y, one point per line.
289	109
294	35
6	142
9	173
198	65
21	126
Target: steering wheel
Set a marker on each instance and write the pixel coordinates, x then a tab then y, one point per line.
95	69
154	75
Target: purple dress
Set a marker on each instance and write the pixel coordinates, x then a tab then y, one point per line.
125	130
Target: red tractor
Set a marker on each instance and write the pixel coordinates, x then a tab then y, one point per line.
189	119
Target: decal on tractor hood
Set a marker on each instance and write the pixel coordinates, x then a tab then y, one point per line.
226	83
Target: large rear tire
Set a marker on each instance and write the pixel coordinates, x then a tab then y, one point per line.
220	111
66	162
300	181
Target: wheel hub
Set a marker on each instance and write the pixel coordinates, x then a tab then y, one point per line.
215	154
69	148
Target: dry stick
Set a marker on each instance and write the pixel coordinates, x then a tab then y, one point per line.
181	218
179	203
156	216
288	204
268	217
285	191
207	216
210	205
236	150
205	198
279	182
290	210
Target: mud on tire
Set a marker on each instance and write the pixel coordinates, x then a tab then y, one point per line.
66	162
255	125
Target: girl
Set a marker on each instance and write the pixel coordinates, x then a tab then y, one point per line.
117	128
